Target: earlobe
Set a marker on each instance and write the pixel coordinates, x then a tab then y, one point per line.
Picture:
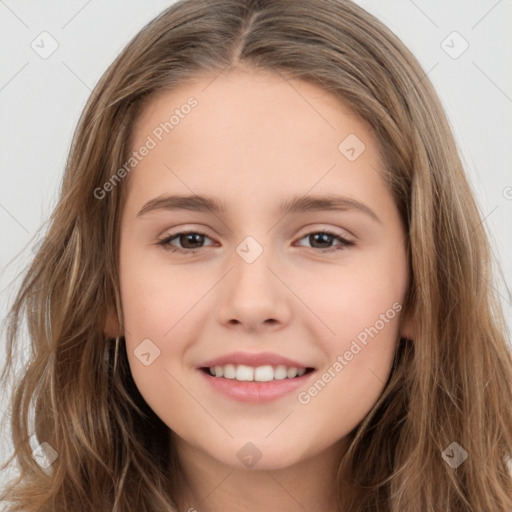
407	328
112	328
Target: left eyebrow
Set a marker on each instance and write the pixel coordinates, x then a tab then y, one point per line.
304	204
298	204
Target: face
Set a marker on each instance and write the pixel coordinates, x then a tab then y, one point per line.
260	287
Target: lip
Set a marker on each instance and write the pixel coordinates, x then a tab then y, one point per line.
252	391
255	392
253	359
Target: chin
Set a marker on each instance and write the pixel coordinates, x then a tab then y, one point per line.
261	454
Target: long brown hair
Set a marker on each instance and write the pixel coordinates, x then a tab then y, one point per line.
451	383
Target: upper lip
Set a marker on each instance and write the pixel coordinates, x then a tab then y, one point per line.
253	359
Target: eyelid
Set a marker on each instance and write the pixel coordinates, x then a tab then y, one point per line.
321	228
312	228
187	228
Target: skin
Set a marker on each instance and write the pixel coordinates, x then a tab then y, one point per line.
253	141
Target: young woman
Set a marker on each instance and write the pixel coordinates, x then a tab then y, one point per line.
265	286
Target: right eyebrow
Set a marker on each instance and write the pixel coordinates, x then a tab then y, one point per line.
175	202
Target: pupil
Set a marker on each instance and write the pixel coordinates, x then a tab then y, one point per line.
323	237
190	236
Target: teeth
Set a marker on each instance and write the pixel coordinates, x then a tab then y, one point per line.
229	371
280	372
291	373
244	372
265	373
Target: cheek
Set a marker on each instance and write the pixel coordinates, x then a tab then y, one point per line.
349	300
358	365
160	303
157	295
362	309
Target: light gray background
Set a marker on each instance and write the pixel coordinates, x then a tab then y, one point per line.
41	100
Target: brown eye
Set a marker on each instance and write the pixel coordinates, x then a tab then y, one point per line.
319	240
190	241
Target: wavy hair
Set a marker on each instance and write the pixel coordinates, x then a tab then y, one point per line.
451	383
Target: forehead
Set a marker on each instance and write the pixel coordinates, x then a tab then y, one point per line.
252	107
251	130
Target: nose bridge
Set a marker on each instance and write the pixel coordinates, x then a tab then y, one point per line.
252	260
250	250
253	294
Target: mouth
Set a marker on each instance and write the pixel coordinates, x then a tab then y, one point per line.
265	373
256	385
255	378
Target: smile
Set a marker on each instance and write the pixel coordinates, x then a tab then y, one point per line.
266	373
254	391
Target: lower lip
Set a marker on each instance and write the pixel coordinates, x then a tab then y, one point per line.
255	392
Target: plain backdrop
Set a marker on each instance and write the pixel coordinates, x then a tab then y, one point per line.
465	47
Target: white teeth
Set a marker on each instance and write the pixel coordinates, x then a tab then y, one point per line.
244	372
291	373
264	373
280	372
229	371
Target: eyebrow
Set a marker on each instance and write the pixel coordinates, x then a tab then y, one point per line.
299	204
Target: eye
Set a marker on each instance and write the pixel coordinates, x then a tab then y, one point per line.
191	241
327	237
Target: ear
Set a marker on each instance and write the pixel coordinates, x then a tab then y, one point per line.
407	316
407	326
112	328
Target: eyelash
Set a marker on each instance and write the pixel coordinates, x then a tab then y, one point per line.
165	242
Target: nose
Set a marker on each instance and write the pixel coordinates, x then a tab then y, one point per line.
254	296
